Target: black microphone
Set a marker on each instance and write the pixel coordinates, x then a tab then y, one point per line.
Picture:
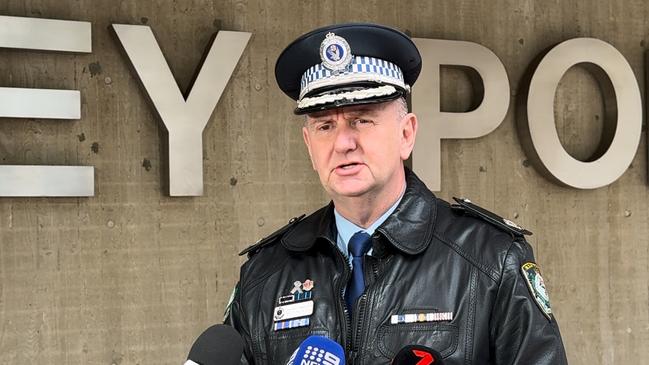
217	345
417	355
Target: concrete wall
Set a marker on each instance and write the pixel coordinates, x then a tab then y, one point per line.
132	276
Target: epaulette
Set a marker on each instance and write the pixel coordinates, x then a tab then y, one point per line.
467	206
251	250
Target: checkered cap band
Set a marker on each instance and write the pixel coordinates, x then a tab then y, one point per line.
362	68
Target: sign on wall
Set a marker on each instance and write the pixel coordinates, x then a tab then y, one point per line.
186	118
44	35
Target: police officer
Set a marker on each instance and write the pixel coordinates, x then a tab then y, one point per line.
386	264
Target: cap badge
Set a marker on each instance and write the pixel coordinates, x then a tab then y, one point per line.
335	52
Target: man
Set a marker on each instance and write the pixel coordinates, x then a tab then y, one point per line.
386	264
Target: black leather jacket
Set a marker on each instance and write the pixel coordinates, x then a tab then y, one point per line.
428	257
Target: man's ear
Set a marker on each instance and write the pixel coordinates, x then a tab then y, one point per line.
307	142
408	135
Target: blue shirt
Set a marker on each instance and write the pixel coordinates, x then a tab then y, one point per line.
346	228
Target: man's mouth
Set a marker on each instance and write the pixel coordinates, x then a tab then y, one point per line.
348	169
348	166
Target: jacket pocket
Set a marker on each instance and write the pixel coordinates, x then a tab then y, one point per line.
280	345
441	337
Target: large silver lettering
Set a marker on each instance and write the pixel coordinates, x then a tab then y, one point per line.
45	34
621	96
184	119
49	35
435	125
34	180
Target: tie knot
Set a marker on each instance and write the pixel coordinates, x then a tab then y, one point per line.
359	244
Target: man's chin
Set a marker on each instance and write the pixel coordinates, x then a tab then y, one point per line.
350	191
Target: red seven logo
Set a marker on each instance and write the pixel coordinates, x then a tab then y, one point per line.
426	358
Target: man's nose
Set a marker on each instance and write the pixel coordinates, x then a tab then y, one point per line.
346	138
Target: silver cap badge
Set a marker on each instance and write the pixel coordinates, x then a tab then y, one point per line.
335	52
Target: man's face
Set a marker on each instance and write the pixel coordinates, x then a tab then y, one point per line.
359	150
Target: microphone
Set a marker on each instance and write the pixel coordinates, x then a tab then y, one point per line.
417	355
217	345
318	350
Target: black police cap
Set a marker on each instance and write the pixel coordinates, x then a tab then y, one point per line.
371	40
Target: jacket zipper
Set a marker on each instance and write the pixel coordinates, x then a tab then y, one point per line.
357	315
360	315
341	304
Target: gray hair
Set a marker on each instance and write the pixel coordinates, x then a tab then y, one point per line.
402	107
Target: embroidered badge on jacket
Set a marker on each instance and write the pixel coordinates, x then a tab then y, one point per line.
535	283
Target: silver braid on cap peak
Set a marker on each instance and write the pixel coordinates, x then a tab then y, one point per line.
349	95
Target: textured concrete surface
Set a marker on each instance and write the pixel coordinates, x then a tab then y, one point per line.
132	276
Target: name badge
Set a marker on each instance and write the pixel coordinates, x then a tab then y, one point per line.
295	310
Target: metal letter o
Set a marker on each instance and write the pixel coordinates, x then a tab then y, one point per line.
541	137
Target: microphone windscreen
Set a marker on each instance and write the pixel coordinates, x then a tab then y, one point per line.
217	345
318	350
417	355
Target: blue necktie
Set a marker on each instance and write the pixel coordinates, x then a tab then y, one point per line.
358	246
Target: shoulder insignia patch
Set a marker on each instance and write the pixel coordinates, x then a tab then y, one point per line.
467	206
251	250
536	285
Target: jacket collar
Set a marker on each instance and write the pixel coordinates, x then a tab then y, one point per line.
320	224
408	229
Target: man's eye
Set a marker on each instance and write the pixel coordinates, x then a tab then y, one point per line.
323	127
362	122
